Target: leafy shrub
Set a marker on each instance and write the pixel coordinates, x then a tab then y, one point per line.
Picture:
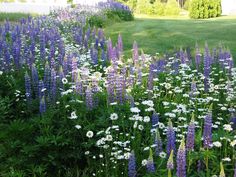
187	4
96	20
172	8
205	8
159	8
121	14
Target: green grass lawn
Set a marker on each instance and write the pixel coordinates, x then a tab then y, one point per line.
13	16
159	35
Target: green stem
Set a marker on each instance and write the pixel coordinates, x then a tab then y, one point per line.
207	161
169	172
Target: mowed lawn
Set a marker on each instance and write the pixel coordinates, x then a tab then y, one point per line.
161	35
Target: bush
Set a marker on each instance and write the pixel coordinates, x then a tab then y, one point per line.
159	8
96	20
172	8
187	4
121	14
205	8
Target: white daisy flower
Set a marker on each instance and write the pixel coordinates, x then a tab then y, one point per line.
89	134
113	116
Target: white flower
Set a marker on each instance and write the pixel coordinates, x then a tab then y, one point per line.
109	138
1	72
217	144
161	125
140	127
101	156
73	115
162	155
226	159
135	110
227	127
233	143
64	80
113	116
78	127
89	134
87	153
144	162
135	124
146	119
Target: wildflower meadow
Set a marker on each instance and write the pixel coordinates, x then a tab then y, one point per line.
72	104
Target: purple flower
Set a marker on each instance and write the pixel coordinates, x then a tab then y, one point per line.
207	132
35	79
158	143
191	135
233	122
193	89
42	105
170	162
53	86
135	53
132	165
120	46
89	98
170	138
28	88
150	164
155	120
181	160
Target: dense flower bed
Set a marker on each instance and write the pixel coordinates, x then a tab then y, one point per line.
73	105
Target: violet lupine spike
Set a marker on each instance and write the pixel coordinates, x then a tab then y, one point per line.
155	120
182	56
181	160
233	122
46	78
35	79
132	165
74	69
103	57
170	162
109	49
111	85
135	53
42	105
79	85
170	138
53	86
158	143
61	76
119	89
139	80
193	89
191	135
89	98
207	67
150	164
28	92
41	90
207	132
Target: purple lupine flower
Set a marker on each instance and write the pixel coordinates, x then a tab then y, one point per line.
132	165
120	46
191	135
42	106
170	138
207	132
111	85
199	165
46	78
139	79
89	98
150	164
135	53
35	79
120	89
28	88
233	122
41	90
53	86
207	67
94	55
103	57
158	143
181	160
155	120
170	162
193	89
74	69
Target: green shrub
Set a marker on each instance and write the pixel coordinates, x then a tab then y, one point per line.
159	8
187	4
172	8
121	14
97	21
205	8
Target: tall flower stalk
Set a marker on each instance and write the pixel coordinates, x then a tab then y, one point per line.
170	163
181	160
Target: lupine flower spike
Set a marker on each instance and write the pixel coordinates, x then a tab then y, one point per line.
207	132
132	165
191	135
170	138
181	160
170	163
150	163
222	171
